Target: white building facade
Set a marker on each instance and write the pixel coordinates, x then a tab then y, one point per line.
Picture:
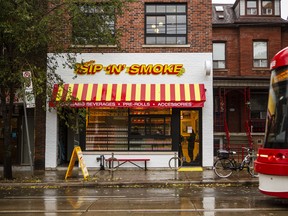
167	97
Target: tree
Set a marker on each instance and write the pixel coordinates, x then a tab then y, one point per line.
29	29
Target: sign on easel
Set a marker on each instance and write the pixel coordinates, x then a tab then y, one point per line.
77	153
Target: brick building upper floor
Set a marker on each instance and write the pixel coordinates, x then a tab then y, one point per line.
145	27
246	35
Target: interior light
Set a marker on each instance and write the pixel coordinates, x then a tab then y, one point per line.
153	26
160	23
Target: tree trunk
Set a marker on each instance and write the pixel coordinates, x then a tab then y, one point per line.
6	115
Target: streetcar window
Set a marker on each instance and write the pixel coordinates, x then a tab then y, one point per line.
277	118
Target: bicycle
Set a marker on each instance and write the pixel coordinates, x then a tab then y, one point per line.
225	165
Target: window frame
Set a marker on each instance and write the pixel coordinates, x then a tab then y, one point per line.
163	36
263	9
113	129
259	59
219	60
251	8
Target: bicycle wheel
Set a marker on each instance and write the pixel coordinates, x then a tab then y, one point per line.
223	168
251	170
174	161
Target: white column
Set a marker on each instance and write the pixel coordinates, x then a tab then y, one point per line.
207	124
51	140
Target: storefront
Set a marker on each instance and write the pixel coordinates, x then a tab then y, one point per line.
148	105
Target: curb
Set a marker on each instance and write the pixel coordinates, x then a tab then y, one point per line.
137	184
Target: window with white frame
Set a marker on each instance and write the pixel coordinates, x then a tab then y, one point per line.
260	54
219	59
93	24
267	7
251	7
165	24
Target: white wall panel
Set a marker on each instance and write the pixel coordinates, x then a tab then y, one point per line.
51	140
194	64
159	160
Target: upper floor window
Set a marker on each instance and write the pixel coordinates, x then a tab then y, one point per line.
267	7
219	59
260	55
165	24
251	7
93	24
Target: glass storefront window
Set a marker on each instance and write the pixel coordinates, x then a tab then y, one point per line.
156	126
107	129
128	129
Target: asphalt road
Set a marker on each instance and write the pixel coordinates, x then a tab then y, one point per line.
207	200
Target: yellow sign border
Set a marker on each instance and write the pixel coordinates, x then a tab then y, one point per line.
77	153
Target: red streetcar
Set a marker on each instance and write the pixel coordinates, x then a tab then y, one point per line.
272	160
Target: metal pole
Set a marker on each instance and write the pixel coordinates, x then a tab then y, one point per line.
175	161
28	137
112	164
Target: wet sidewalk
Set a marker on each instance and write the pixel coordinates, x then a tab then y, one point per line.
123	178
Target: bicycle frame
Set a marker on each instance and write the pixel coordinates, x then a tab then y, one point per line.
245	161
225	164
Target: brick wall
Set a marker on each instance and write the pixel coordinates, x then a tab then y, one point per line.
285	38
39	136
239	48
132	26
230	36
247	35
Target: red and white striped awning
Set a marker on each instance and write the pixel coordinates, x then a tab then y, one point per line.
129	95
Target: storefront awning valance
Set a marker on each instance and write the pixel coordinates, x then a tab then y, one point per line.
129	95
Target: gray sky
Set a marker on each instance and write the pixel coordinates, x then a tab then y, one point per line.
284	6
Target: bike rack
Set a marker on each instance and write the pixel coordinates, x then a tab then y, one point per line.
175	161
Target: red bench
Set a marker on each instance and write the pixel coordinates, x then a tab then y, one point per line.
129	160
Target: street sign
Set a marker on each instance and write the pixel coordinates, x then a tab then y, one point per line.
28	88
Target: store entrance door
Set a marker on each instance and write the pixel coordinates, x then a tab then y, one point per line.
191	146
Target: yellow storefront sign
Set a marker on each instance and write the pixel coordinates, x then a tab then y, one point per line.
77	153
92	68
